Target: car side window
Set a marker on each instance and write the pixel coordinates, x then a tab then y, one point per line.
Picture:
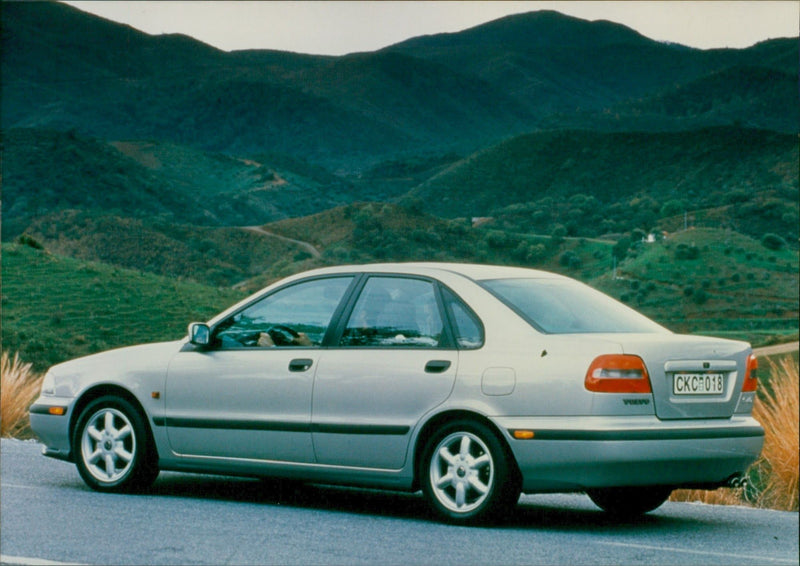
466	325
395	312
297	315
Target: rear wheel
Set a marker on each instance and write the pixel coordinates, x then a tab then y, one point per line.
629	501
466	475
112	448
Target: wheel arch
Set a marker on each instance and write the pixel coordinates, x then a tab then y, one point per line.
439	420
104	390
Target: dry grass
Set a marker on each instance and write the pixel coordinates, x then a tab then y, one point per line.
778	411
19	387
774	476
721	496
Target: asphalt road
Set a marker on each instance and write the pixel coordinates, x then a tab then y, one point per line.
47	516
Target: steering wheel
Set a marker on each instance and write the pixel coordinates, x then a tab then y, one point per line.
282	335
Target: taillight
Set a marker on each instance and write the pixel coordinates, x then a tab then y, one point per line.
751	374
618	373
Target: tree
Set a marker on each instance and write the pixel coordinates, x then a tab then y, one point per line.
621	248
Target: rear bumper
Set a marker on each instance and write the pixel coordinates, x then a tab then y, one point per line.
567	454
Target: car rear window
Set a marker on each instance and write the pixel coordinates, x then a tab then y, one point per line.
562	306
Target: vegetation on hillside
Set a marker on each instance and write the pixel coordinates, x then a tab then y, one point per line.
56	308
699	281
711	281
220	256
380	232
47	172
595	184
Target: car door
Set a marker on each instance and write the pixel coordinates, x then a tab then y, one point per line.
392	362
249	394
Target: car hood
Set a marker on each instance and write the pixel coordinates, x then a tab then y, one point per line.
124	366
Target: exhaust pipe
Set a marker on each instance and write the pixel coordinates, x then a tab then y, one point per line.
737	481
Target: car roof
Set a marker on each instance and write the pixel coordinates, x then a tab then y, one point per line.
473	271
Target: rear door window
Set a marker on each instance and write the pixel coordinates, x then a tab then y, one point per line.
395	312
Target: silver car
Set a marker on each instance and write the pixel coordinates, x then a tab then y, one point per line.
473	383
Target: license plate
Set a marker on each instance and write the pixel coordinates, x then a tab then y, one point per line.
698	383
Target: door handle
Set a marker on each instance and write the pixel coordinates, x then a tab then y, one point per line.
437	366
300	364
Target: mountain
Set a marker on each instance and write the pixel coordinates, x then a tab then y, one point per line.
551	63
64	69
98	116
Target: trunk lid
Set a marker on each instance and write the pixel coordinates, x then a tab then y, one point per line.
692	377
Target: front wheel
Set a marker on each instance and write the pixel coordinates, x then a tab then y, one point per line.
112	448
629	501
466	475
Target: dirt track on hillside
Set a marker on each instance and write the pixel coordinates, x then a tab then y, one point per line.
778	349
305	245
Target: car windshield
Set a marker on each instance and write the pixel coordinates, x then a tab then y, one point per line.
561	306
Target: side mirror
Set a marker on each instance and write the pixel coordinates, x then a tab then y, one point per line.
199	334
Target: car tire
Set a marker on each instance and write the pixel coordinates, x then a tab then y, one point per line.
625	502
113	451
466	474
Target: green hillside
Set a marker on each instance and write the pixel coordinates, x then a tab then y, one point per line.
46	171
56	308
599	183
220	256
708	281
759	96
699	281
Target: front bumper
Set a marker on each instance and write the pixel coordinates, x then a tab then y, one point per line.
53	429
575	454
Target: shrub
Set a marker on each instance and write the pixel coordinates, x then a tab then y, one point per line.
30	241
773	242
20	388
497	239
557	235
684	251
700	296
570	259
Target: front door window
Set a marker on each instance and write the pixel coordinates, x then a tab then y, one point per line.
297	315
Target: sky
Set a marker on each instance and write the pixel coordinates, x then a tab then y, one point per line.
341	27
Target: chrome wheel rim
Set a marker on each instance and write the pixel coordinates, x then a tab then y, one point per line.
108	445
461	472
